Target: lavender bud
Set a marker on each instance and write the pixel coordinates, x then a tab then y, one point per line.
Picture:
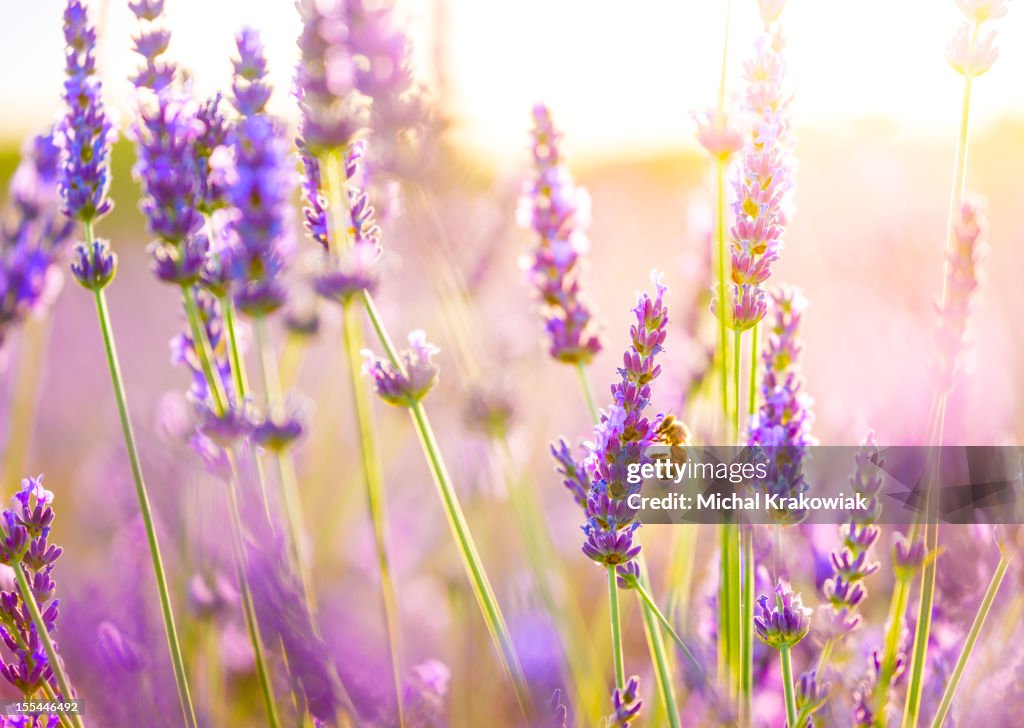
94	266
416	378
781	621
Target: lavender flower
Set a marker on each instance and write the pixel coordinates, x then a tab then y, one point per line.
407	384
325	81
426	695
623	436
626	703
260	192
851	562
970	53
782	424
26	531
34	234
277	431
249	84
558	212
761	185
85	133
211	191
94	265
963	277
717	135
782	620
575	475
811	695
907	557
350	267
173	146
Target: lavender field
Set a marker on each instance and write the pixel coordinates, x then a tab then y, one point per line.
324	377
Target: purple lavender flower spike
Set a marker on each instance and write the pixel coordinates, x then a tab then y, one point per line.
620	438
573	473
626	703
260	192
211	192
782	424
25	542
963	278
85	133
33	236
907	557
325	81
249	84
781	620
558	212
811	694
406	386
761	184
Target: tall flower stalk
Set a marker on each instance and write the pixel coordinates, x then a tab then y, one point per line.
971	55
86	136
333	110
781	622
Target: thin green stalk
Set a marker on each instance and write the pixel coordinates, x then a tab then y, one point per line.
234	350
173	645
735	610
471	559
613	610
787	685
754	355
44	636
202	344
723	340
375	496
894	626
680	573
736	378
723	606
919	656
294	520
972	638
341	229
588	393
747	624
659	661
248	608
648	601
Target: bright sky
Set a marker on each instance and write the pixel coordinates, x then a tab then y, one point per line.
619	76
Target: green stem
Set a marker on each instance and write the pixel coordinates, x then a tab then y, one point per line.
471	559
747	627
736	366
248	608
203	349
752	401
648	602
723	341
588	392
295	523
142	494
659	661
972	638
897	612
787	685
237	365
613	612
44	636
375	496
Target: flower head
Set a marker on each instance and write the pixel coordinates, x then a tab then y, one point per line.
969	55
781	620
558	212
25	543
981	11
325	81
717	135
85	132
94	266
249	84
626	704
810	694
907	557
410	381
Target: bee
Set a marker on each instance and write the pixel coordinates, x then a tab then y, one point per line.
676	435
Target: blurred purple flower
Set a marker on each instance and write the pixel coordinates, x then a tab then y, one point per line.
33	234
249	83
559	213
407	385
626	703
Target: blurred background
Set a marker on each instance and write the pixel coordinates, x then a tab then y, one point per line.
875	112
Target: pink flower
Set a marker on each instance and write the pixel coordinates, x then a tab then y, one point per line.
980	11
971	56
716	135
